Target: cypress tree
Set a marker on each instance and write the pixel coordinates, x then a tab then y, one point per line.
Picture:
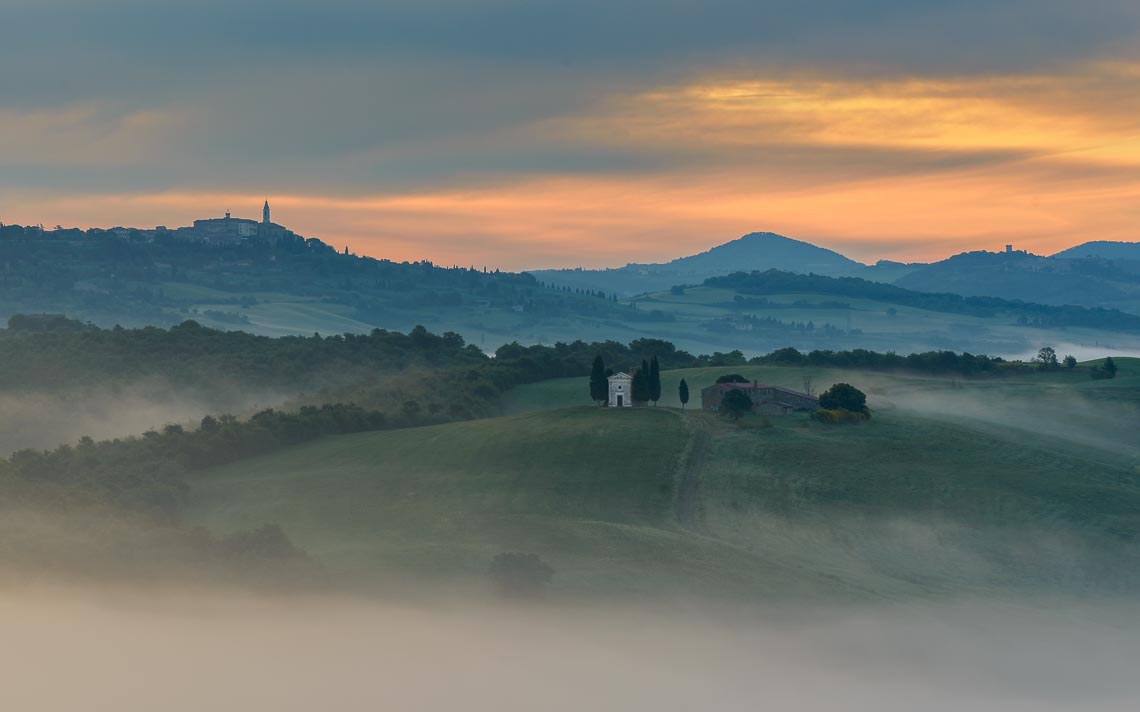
640	384
654	381
683	392
599	384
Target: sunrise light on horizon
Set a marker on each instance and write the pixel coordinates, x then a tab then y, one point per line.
559	157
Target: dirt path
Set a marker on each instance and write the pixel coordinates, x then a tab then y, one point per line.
690	474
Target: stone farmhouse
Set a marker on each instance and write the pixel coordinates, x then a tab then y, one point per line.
766	399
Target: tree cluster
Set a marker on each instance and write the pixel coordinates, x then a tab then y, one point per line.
933	362
148	474
1105	371
844	396
645	387
735	404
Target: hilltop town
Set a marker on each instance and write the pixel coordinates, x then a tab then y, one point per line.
221	231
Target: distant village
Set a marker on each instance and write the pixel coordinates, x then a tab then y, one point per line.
229	230
220	231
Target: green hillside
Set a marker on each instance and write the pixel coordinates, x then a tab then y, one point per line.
655	502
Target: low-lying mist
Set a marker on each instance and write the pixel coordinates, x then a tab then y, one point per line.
117	651
44	420
1100	418
1066	415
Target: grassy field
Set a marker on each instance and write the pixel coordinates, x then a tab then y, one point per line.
912	503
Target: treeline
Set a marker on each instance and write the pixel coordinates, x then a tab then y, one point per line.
778	282
49	351
147	475
933	362
40	351
57	353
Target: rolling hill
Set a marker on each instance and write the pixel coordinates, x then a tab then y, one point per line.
1056	281
767	250
1103	249
755	251
918	502
1095	274
298	286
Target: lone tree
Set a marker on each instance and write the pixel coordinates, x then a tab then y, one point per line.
1047	357
844	396
640	385
735	404
654	381
1110	367
1070	362
599	385
683	393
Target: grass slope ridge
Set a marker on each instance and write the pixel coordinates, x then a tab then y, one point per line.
650	500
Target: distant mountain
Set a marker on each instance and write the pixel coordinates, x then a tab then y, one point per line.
756	251
761	251
1032	278
1103	249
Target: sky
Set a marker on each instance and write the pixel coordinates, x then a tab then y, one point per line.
532	133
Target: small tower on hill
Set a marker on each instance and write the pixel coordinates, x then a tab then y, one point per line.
265	213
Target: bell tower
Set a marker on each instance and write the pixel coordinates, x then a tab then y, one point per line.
265	213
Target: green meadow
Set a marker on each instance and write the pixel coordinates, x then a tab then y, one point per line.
953	488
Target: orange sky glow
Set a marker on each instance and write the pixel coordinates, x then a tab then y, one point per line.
908	169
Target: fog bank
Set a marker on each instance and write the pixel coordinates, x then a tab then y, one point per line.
44	420
189	652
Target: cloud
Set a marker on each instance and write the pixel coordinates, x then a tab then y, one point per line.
587	131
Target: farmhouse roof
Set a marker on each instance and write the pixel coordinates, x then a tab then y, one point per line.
725	387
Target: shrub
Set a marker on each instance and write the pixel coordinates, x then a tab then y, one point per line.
266	542
520	575
835	416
